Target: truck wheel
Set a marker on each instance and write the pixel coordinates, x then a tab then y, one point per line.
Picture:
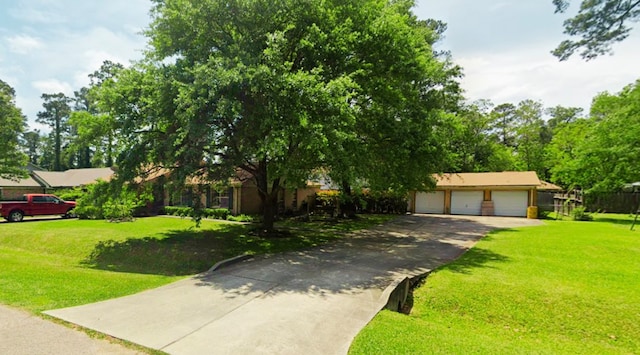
70	214
15	216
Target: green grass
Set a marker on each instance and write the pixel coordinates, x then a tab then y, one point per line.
62	263
565	287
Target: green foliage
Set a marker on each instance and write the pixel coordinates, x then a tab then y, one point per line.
71	194
241	218
376	202
108	201
532	136
602	153
599	24
215	213
56	115
479	140
561	288
12	160
580	214
279	89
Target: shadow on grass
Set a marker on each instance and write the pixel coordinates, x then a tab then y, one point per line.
188	252
619	221
473	259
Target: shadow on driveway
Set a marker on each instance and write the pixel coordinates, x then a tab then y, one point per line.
313	301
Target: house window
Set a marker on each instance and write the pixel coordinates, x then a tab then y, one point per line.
219	199
186	198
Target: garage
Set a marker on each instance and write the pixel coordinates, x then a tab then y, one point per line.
466	202
510	203
504	193
430	202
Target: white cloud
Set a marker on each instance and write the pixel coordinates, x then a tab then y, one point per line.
39	12
53	86
533	73
23	44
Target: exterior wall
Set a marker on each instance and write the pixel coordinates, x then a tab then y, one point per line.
15	193
249	200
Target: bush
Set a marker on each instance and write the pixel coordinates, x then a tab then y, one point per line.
104	200
366	202
178	211
240	218
580	214
215	213
71	194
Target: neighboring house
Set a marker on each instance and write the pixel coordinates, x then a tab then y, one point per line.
71	178
12	190
507	193
41	181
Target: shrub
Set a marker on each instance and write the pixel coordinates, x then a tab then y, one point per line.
216	213
365	202
178	211
240	218
71	194
104	200
580	214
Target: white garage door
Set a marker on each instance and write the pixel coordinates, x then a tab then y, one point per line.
510	203
466	202
430	202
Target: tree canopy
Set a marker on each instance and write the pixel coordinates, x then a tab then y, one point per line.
12	125
598	24
601	153
280	89
56	116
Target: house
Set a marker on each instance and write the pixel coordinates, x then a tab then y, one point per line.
13	190
42	181
508	193
71	178
239	194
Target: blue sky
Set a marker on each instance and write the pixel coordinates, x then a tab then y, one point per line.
49	46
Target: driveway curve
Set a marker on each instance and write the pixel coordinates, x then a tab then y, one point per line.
310	302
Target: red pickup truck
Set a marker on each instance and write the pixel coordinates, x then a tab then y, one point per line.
35	205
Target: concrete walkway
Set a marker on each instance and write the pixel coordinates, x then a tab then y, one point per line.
311	302
24	334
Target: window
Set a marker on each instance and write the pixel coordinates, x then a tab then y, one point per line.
219	198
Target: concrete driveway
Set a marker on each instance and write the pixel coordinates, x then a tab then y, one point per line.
310	302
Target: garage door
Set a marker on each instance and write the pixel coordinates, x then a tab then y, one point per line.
510	203
430	202
466	202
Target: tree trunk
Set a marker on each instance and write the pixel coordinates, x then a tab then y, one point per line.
348	206
268	197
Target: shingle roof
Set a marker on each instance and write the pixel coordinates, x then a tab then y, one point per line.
547	186
505	178
74	177
27	182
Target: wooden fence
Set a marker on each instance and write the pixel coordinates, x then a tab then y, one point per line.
564	203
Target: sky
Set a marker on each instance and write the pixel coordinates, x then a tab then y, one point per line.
50	46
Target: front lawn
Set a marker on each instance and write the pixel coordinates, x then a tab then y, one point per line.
62	263
565	287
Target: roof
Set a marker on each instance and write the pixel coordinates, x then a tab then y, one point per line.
74	177
547	186
27	182
505	178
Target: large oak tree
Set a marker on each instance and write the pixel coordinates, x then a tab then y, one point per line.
280	89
